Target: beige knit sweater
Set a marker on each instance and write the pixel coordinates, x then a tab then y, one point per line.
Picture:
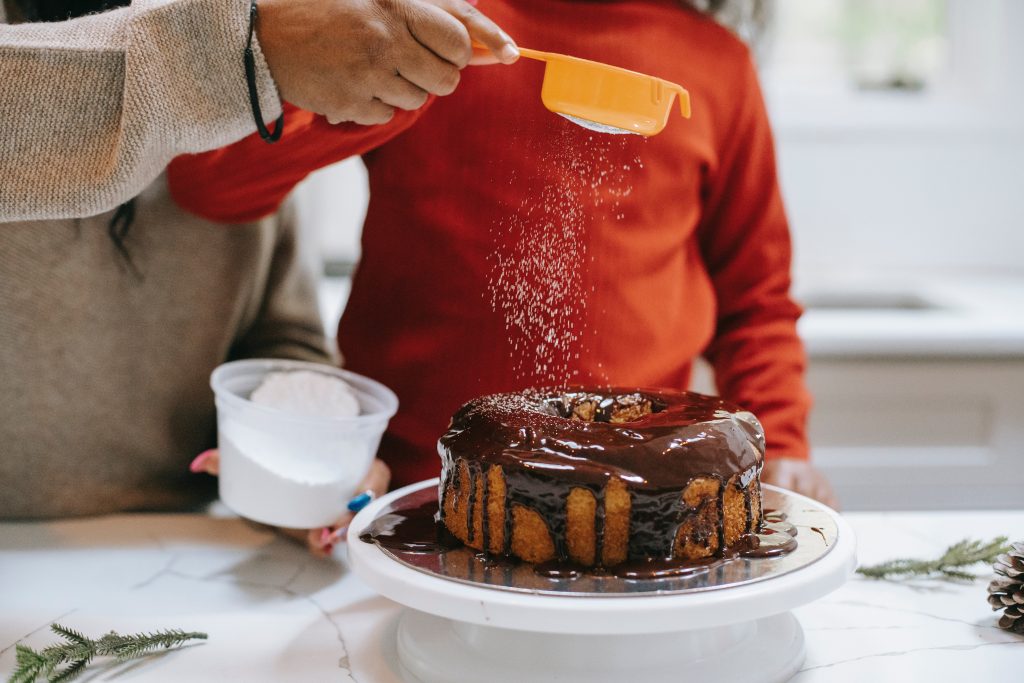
92	109
104	377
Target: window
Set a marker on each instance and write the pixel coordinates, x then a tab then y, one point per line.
859	44
907	64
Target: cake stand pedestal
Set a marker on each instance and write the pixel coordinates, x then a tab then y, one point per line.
437	650
459	631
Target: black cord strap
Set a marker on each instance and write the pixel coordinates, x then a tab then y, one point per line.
250	79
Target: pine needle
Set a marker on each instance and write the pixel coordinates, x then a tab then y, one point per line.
69	634
67	660
951	565
70	672
28	665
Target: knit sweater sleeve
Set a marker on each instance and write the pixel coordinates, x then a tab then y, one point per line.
757	355
94	108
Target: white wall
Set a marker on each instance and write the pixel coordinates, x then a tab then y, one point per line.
865	201
333	203
916	181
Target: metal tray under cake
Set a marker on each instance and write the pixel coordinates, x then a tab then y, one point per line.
817	533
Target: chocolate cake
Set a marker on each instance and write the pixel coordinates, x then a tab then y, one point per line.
601	476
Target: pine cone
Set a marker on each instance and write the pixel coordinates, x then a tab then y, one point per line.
1006	592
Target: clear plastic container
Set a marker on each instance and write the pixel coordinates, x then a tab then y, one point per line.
290	470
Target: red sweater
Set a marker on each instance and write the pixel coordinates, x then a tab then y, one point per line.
683	245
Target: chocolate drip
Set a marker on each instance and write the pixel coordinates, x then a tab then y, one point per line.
721	511
416	530
654	520
749	507
485	516
599	514
472	468
456	474
543	495
767	543
507	545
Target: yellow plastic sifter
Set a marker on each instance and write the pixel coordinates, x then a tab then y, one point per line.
607	98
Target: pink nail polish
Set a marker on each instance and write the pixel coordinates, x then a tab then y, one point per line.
325	536
199	464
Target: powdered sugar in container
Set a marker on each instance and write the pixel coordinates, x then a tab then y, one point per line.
293	470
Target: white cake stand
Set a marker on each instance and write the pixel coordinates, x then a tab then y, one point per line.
457	632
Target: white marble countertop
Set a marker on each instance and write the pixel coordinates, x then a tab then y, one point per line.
273	613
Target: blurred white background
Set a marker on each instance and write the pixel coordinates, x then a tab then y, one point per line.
900	137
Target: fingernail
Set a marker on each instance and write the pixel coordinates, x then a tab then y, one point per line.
360	501
325	536
199	464
339	534
328	549
509	53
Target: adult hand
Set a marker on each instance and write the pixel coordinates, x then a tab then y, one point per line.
357	60
799	476
319	541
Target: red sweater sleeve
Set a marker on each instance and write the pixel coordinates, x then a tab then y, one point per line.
250	179
758	357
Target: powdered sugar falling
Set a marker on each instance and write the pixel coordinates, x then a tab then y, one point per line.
539	266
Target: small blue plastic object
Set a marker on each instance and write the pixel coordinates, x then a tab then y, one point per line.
360	501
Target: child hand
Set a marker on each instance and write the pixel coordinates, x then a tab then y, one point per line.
799	476
320	541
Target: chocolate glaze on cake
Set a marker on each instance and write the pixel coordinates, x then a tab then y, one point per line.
417	530
654	442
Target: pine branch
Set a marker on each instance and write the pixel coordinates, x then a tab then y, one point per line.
144	643
951	565
65	661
